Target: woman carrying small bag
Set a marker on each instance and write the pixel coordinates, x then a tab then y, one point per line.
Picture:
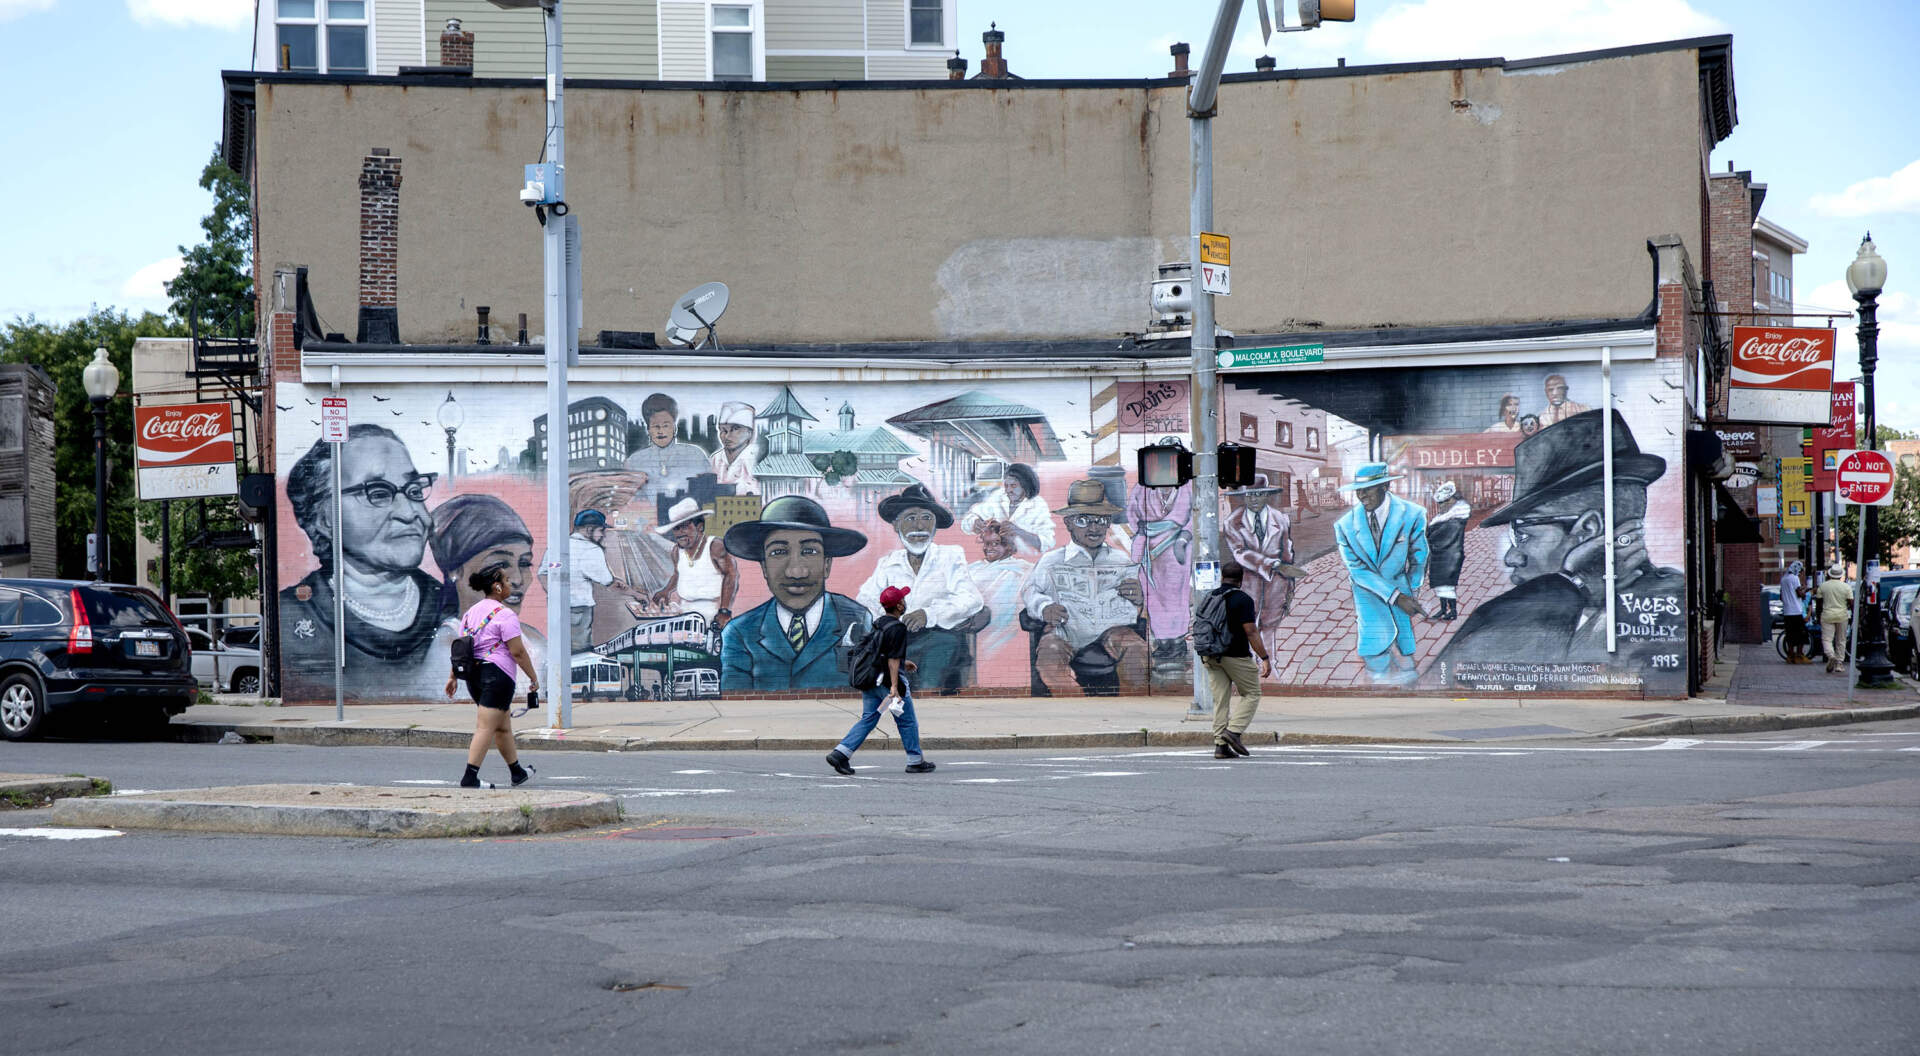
497	649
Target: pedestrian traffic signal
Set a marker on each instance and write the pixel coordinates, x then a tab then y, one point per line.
1236	465
1166	464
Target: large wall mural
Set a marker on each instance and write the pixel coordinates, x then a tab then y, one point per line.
1432	529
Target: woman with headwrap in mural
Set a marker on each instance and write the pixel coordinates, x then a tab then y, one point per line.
472	533
1447	545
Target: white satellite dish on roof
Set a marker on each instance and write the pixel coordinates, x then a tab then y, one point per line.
695	312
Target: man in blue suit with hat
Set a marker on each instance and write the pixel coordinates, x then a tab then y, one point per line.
795	640
1383	540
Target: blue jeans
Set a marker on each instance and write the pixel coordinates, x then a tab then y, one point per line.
870	706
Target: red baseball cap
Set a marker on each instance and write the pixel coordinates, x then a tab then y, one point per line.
893	596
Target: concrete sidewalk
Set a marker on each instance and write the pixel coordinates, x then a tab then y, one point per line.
1029	722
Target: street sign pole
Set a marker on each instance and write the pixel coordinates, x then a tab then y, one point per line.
333	429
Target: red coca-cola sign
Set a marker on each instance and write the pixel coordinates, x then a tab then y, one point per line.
1783	357
184	434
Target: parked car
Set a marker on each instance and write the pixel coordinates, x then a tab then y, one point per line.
1771	596
247	637
222	666
72	648
1900	629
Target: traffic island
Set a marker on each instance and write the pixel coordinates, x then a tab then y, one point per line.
29	791
344	810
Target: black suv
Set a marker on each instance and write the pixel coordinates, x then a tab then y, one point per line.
67	645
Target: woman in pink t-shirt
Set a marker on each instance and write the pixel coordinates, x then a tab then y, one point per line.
498	648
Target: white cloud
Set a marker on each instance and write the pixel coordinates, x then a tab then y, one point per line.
1897	375
1898	193
16	8
1453	29
145	289
219	14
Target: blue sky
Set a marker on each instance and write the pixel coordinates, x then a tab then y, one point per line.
127	107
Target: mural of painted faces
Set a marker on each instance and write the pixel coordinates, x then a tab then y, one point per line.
383	512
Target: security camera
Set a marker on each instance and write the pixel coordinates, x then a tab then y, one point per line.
533	194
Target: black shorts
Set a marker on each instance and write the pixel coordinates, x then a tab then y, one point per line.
492	687
1796	628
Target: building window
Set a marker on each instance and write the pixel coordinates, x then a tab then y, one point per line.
13	425
926	23
1780	289
1250	428
733	32
1283	433
1760	272
321	36
1313	439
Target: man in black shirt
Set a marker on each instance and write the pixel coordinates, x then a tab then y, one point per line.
1235	667
891	681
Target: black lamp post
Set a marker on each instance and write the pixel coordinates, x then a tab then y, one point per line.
451	416
101	379
1866	277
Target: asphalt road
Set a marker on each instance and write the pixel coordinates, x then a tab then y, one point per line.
1746	894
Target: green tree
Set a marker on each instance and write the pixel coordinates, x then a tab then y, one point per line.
63	352
219	573
216	276
1899	520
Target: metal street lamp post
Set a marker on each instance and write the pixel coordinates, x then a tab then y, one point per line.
451	415
1866	277
102	380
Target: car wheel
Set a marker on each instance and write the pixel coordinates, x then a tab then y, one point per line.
247	681
22	711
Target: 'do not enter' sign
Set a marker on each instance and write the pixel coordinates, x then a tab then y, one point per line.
1864	478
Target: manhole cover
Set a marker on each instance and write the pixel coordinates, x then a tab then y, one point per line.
686	834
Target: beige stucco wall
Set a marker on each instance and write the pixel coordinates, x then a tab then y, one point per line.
936	212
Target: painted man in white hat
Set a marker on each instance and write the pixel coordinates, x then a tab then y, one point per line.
733	463
946	605
1383	540
704	579
1259	535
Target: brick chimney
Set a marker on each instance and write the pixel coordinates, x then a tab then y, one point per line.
456	46
993	67
956	68
1179	52
379	248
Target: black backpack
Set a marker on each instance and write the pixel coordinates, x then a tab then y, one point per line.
864	663
1210	633
465	664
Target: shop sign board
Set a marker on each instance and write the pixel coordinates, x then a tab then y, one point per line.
1834	439
184	451
1782	375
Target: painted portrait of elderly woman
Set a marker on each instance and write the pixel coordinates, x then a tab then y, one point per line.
392	608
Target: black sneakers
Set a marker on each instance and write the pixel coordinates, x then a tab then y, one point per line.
839	763
524	775
1233	742
1221	751
921	767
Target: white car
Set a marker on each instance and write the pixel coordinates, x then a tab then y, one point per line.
222	667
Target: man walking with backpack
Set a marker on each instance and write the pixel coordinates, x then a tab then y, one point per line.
1226	635
879	669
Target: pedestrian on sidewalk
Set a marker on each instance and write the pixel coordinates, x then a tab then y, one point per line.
497	650
890	689
1233	666
1836	605
1793	613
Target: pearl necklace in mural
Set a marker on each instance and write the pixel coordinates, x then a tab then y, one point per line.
391	619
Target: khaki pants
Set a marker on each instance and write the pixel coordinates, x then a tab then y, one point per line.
1833	638
1224	675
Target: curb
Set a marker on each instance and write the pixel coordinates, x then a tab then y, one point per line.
1761	723
45	786
583	810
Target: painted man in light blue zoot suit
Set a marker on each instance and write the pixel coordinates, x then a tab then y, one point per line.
1383	540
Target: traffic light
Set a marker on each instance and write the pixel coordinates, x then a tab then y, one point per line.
1236	465
1166	464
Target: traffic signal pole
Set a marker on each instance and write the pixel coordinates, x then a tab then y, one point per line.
1206	463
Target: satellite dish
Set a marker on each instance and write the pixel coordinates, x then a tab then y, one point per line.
696	311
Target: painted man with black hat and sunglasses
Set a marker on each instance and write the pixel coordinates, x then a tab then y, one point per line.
1556	559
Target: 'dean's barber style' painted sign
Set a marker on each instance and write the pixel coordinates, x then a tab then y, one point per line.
1158	406
1781	374
184	451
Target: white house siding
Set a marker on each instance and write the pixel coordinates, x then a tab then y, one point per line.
398	36
907	66
683	42
886	25
814	25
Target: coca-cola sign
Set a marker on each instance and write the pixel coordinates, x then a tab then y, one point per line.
1781	374
186	434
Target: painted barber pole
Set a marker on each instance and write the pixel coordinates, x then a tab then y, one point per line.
184	451
1782	375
